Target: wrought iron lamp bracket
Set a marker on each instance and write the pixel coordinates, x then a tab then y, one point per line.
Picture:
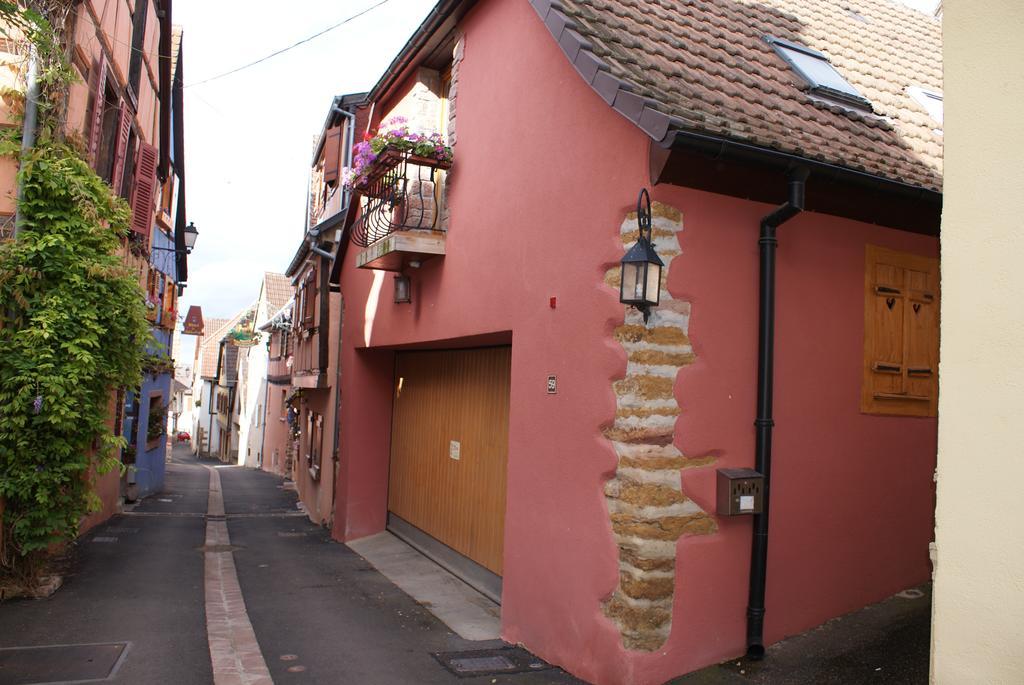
643	223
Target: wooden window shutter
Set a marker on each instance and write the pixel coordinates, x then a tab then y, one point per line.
144	190
99	91
124	130
170	317
310	301
332	155
901	334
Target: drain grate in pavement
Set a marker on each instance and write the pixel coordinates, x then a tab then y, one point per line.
480	662
59	663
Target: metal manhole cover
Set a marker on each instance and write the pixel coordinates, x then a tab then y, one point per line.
490	662
60	663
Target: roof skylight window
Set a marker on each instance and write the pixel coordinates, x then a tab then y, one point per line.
930	100
820	75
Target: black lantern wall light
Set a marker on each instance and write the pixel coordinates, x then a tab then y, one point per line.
190	235
641	266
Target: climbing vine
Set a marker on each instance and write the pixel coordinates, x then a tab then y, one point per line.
72	328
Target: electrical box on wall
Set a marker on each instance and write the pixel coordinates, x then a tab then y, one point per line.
740	491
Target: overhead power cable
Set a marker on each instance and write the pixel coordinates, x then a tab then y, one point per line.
293	45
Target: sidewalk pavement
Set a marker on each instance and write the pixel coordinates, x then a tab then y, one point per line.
888	643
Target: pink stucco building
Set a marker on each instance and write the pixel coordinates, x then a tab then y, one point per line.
513	412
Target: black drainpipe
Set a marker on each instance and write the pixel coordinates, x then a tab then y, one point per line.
765	372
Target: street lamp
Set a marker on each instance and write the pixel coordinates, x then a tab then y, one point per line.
190	241
641	266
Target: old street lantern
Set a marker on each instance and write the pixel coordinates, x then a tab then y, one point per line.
190	237
641	265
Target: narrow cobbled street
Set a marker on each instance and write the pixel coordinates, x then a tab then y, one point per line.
150	592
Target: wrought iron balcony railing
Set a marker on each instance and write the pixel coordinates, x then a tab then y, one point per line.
403	194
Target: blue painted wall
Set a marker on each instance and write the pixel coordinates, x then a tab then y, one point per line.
150	464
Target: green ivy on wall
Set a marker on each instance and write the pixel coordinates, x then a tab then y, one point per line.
72	327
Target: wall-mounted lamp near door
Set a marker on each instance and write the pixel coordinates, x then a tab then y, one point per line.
403	289
641	266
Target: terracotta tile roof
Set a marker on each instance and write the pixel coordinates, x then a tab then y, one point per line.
210	326
210	344
277	290
704	66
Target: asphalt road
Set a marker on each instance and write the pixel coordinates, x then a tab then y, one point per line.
321	613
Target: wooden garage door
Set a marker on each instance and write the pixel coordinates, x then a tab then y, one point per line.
449	448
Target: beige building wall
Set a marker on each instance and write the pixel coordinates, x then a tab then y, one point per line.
978	614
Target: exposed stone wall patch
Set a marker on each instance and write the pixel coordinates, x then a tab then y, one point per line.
648	509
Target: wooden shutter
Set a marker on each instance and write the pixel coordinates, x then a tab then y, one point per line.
124	130
901	334
309	310
170	317
99	91
332	155
144	190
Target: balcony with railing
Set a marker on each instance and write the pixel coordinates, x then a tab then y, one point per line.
400	222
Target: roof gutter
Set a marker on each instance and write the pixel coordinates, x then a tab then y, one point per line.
723	148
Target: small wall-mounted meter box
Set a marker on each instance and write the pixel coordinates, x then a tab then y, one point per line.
740	491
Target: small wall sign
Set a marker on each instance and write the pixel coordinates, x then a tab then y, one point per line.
455	450
552	385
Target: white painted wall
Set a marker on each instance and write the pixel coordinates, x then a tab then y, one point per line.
201	419
252	384
978	612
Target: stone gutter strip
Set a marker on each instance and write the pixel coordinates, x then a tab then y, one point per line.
234	651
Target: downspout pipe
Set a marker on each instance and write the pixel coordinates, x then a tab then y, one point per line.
764	423
346	199
263	432
28	127
346	161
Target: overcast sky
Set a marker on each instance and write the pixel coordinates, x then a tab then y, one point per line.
248	136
